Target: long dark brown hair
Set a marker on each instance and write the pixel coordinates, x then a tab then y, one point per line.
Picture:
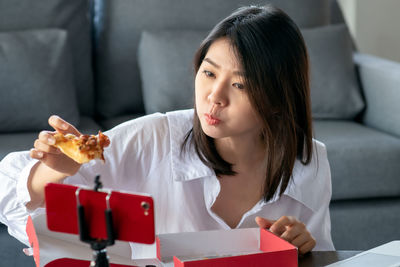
274	57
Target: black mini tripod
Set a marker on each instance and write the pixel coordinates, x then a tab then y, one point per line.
100	258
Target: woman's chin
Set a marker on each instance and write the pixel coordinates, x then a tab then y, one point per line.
213	131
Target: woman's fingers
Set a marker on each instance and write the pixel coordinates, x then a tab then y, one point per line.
35	154
295	232
279	227
264	223
301	239
62	126
306	247
47	137
45	143
43	147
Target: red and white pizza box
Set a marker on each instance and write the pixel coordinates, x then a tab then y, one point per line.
234	248
238	247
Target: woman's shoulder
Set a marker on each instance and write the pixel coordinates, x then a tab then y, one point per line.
181	119
319	159
319	149
318	162
156	122
150	120
311	183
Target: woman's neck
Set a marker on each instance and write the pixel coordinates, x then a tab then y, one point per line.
244	154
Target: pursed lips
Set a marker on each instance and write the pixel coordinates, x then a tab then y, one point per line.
211	120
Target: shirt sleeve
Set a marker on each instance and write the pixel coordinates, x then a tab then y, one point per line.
319	224
14	173
14	195
320	227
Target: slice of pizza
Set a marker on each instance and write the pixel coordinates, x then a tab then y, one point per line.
82	148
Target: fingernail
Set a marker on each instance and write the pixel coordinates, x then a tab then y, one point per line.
51	141
39	154
28	251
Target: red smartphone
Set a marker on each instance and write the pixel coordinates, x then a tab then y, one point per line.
133	214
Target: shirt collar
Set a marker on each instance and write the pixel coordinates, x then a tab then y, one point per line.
186	164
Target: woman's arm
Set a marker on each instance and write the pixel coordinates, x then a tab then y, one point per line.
53	165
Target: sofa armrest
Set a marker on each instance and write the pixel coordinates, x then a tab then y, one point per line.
380	80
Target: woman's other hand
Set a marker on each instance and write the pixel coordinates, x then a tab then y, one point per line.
291	230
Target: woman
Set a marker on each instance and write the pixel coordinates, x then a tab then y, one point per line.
243	157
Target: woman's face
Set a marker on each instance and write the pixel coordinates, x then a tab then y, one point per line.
222	103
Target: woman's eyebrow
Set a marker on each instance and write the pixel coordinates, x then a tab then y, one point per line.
240	73
211	62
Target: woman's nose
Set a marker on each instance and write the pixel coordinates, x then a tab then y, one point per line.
218	94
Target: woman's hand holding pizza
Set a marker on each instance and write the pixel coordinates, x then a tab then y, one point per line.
45	151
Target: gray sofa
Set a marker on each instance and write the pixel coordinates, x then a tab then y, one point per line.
103	62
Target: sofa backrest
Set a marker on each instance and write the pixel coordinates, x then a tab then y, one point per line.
18	15
336	14
118	26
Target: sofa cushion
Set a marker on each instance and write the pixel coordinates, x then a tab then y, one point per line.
119	23
69	15
36	80
88	125
165	62
10	142
358	217
335	93
364	162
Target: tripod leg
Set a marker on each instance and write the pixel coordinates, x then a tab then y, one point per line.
100	259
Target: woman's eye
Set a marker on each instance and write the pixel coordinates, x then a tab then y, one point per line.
238	85
208	73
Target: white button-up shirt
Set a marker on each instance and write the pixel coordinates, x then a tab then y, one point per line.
145	156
